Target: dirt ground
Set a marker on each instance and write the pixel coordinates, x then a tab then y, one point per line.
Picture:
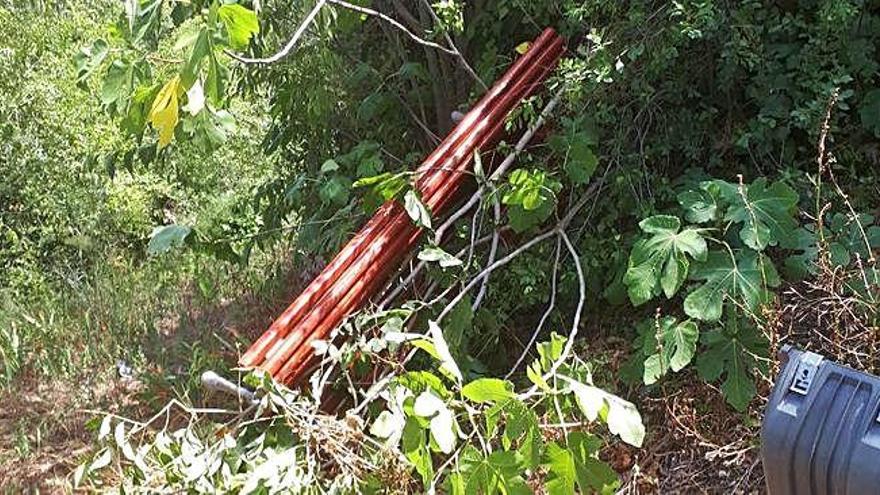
684	452
43	430
43	423
696	443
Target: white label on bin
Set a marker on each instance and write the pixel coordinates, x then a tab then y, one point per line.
807	366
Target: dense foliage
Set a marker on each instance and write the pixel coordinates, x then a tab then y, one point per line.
74	223
704	157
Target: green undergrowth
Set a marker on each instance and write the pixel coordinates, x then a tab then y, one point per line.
709	168
77	287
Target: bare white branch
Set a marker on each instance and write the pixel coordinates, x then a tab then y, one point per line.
576	320
494	266
393	22
310	18
550	306
493	249
290	44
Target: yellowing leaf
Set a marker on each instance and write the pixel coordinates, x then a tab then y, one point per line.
523	47
164	112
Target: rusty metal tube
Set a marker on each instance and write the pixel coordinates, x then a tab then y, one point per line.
388	257
326	313
315	290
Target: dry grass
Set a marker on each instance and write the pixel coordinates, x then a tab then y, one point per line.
43	432
697	444
826	316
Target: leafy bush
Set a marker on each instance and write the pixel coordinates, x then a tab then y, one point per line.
474	437
663	105
76	209
730	284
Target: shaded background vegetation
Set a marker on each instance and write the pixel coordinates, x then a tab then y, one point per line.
666	94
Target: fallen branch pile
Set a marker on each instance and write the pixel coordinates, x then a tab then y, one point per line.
286	349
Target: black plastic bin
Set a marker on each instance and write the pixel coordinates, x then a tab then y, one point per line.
821	430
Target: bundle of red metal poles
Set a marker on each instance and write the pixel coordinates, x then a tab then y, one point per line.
360	269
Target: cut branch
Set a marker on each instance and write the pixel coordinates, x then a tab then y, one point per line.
550	306
393	22
494	266
576	320
493	249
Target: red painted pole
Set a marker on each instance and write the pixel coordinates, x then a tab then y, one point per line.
314	292
337	302
390	256
291	316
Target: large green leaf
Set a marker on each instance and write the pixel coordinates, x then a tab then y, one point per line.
744	278
418	212
210	128
419	381
135	119
734	352
436	254
843	237
415	449
660	262
215	80
201	48
488	390
593	475
335	190
802	264
117	85
146	21
765	211
499	472
701	204
442	422
522	220
530	190
447	363
90	58
241	24
562	472
521	430
576	147
580	160
621	416
381	188
668	344
530	197
578	465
